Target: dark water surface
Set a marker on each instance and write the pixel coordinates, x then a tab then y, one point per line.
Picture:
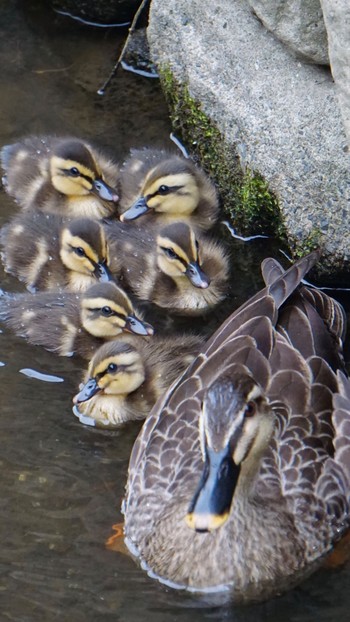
61	484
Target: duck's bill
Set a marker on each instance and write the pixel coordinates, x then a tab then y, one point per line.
134	325
89	389
137	209
211	504
197	277
102	272
104	191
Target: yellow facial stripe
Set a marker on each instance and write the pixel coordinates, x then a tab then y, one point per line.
167	243
180	179
74	240
99	303
193	246
62	163
126	359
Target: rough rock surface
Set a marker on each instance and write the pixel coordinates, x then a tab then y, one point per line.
298	23
337	18
280	116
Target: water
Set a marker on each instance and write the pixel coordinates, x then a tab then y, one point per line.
61	483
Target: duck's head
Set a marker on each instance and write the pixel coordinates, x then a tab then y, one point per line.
116	369
172	187
106	311
236	424
178	254
83	248
75	173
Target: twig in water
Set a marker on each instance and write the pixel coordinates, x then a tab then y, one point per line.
102	90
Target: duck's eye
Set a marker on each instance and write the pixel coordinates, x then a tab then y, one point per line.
106	311
163	190
170	253
112	367
250	409
74	171
79	251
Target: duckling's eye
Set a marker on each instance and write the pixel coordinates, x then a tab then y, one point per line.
169	253
79	251
74	171
112	367
250	409
106	311
163	190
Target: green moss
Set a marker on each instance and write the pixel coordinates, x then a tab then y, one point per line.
245	196
308	244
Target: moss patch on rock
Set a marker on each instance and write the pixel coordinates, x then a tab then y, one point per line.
245	197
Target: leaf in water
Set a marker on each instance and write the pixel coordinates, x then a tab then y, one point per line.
32	373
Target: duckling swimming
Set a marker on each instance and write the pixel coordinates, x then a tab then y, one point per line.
47	252
125	379
73	324
66	176
166	187
175	269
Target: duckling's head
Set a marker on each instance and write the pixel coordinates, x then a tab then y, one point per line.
74	172
83	248
106	311
236	424
178	254
116	368
172	187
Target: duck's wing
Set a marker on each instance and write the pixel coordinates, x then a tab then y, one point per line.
246	338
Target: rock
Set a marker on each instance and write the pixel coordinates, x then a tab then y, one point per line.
337	17
277	116
298	23
99	11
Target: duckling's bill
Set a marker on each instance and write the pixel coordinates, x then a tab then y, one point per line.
102	272
197	276
89	389
134	325
104	191
137	209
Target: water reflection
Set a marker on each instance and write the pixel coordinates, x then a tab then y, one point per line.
62	483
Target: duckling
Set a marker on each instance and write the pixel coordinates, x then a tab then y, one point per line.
48	252
166	187
61	175
175	269
73	324
125	379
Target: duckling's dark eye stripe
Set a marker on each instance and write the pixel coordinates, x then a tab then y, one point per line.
97	310
68	172
176	256
170	190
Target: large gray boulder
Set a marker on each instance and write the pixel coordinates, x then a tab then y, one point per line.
278	116
337	18
298	23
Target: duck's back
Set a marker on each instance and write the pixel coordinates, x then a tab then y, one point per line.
26	168
301	497
30	249
48	319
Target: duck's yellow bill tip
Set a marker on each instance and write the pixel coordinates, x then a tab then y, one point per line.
205	522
